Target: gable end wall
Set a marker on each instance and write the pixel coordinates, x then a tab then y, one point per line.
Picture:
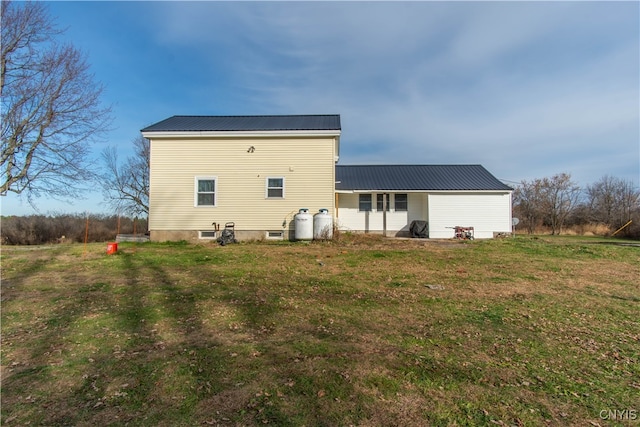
306	164
487	213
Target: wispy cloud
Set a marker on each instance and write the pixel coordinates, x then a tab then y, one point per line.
526	88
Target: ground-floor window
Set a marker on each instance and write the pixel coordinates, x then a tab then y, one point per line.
400	202
364	203
208	234
380	202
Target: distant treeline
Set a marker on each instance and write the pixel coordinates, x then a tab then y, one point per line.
558	205
67	228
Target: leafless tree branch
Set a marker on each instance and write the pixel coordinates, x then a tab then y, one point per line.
51	109
126	186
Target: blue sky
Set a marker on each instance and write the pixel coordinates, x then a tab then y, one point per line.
527	89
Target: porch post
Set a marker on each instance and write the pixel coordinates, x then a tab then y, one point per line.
384	214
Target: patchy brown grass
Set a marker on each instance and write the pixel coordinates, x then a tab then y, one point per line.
359	331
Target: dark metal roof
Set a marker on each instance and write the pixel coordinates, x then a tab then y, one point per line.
416	178
246	123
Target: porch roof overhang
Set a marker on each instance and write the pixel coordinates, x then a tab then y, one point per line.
417	178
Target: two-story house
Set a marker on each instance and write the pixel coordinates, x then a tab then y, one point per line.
259	171
255	171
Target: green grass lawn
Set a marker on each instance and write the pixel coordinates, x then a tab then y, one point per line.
363	331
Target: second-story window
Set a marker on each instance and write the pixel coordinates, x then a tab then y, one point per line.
205	191
275	188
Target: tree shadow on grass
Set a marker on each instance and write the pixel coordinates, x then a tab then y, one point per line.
149	376
42	357
132	346
94	355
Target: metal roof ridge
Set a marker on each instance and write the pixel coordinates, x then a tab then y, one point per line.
413	164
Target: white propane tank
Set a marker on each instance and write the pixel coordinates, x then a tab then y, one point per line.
304	225
323	225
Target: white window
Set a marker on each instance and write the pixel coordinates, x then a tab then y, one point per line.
400	202
275	235
380	202
208	234
205	190
364	202
275	188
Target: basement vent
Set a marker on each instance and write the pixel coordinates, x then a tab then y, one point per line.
276	235
208	234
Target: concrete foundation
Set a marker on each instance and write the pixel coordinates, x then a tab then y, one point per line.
193	236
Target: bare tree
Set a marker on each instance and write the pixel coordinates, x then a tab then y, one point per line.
612	201
527	200
547	201
602	200
51	109
560	195
126	186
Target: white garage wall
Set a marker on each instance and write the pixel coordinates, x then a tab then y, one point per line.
487	213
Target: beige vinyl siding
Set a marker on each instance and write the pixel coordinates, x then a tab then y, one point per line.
306	164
